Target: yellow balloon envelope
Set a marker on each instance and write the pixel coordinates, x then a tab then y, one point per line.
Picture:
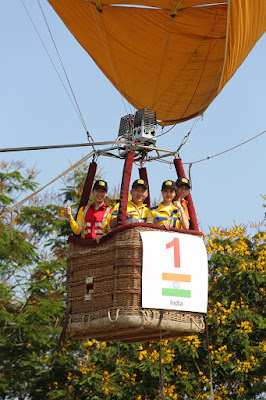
170	56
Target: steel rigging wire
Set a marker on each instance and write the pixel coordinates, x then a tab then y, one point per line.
76	107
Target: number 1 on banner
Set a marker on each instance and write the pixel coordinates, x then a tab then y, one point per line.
175	244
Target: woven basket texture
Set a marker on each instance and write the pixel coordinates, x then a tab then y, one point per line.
104	294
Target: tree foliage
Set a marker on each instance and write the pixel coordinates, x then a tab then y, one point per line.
32	303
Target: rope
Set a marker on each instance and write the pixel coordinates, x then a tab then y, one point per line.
185	138
161	368
11	227
62	65
225	151
147	318
175	9
62	337
210	366
194	321
189	175
17	205
206	158
50	58
116	315
171	153
118	351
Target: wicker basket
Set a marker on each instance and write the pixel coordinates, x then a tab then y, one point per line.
104	293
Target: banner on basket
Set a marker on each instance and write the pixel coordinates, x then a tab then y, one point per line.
174	272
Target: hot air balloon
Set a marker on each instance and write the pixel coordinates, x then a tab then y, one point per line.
173	57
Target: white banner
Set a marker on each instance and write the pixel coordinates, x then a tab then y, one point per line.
174	272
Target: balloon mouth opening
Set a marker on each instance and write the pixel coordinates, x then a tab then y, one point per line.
130	5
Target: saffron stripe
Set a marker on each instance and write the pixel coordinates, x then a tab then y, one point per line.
176	292
176	277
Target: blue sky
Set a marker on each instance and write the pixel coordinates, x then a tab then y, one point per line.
35	110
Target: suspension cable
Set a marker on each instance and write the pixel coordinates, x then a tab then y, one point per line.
61	146
185	138
209	157
226	151
20	203
116	144
53	64
66	75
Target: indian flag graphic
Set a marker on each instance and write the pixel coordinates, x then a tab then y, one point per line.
178	285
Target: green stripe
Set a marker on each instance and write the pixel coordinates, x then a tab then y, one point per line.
176	292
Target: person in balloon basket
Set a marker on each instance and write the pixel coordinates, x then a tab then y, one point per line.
182	190
166	213
92	220
137	211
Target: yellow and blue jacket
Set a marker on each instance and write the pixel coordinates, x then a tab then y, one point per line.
160	214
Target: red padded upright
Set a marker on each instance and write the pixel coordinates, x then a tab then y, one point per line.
143	175
192	214
88	185
121	217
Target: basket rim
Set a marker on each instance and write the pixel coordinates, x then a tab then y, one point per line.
91	242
